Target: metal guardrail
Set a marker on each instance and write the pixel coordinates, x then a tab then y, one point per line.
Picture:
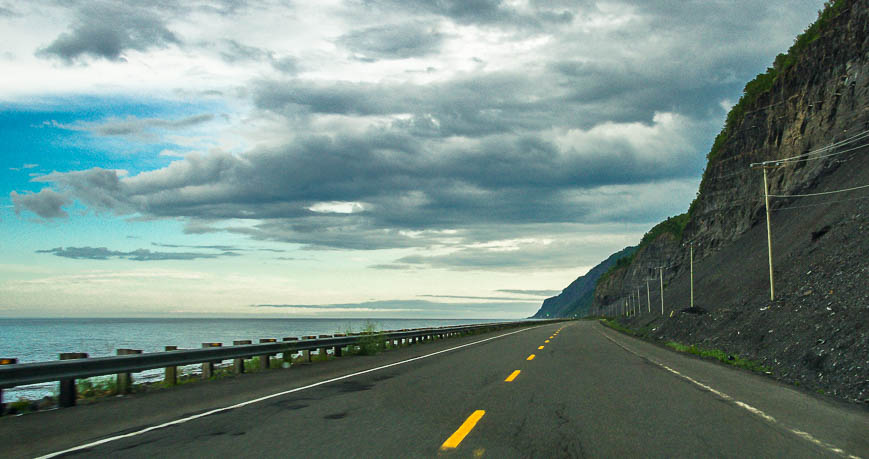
67	371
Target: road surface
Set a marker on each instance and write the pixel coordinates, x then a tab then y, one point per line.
587	392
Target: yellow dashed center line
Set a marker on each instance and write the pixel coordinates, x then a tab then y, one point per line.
463	431
553	336
512	376
539	347
546	341
530	357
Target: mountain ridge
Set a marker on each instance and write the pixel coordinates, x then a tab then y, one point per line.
575	300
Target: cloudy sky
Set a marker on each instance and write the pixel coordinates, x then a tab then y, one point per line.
362	158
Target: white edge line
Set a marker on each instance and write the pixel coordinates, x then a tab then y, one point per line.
278	394
746	406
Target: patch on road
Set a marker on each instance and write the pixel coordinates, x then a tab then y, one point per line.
354	386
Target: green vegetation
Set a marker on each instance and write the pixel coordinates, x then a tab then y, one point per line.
615	325
716	354
621	263
674	225
721	356
371	342
763	82
21	406
96	387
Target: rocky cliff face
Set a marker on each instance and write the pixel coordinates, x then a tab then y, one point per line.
823	98
814	333
612	291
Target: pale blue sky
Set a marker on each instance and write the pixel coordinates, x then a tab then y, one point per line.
376	159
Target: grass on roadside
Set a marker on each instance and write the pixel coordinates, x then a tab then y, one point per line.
721	356
730	359
615	325
96	387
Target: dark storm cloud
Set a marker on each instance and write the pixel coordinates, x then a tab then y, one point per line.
474	106
565	93
106	30
400	181
102	253
393	41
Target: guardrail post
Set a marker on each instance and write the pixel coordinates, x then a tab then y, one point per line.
322	350
288	355
171	375
338	350
5	361
238	364
208	367
125	380
265	359
67	395
306	354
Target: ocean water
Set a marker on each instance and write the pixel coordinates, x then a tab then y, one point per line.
38	340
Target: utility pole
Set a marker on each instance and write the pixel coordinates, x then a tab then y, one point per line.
765	165
648	297
692	275
661	270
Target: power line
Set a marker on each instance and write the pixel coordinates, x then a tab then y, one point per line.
817	194
821	157
820	204
859	136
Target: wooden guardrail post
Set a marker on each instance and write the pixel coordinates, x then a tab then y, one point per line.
5	361
266	359
170	377
288	355
322	351
67	395
337	350
306	354
125	380
208	367
238	364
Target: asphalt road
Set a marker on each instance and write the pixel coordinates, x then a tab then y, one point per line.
588	392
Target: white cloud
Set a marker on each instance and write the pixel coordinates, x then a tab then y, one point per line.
338	207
